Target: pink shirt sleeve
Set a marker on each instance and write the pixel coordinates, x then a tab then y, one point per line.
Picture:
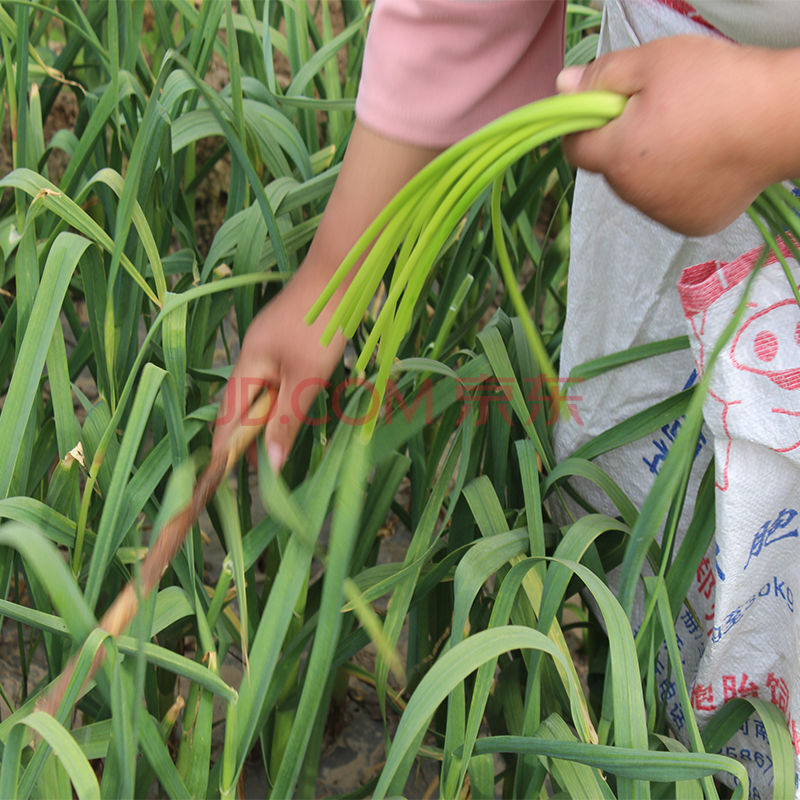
437	70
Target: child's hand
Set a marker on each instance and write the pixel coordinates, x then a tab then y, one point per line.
708	126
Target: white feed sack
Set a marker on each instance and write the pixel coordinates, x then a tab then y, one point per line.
745	632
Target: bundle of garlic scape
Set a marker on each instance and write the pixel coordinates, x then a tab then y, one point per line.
423	214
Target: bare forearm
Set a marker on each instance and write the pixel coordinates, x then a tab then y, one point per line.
374	168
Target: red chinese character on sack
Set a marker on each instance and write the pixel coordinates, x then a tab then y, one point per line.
706	579
709	618
746	687
779	690
703	697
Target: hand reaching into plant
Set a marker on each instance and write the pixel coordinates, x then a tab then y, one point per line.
708	126
279	349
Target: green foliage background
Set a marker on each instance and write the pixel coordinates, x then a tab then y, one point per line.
104	276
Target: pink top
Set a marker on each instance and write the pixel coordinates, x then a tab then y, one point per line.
437	70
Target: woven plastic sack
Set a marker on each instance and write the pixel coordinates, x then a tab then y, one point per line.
741	632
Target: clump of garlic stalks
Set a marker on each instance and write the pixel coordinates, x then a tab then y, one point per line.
424	213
